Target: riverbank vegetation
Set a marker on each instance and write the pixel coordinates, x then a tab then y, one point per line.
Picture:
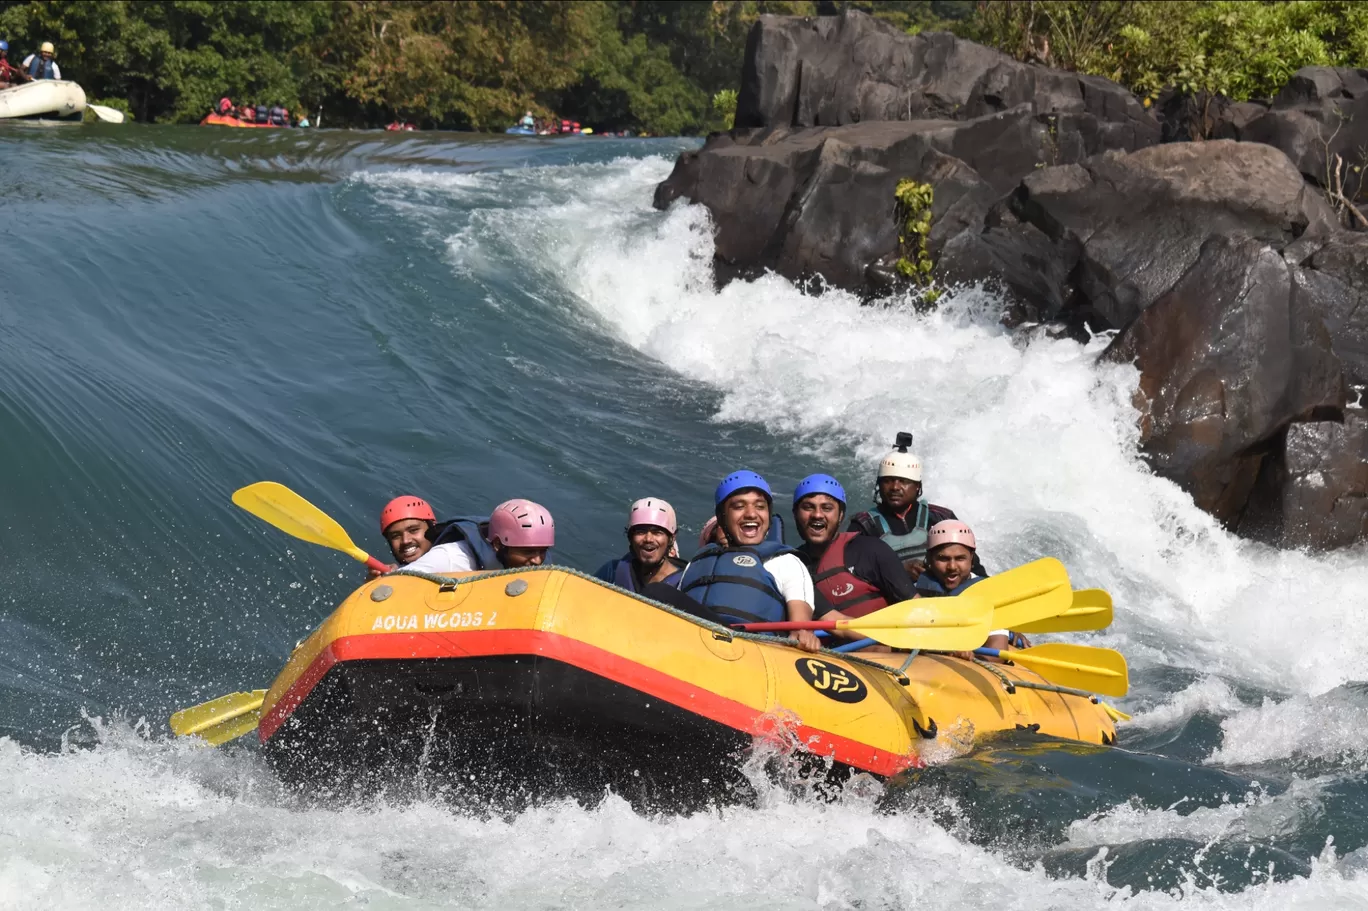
653	66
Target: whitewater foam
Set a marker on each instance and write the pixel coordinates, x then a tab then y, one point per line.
146	824
1030	437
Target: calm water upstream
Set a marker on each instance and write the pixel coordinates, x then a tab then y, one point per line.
185	310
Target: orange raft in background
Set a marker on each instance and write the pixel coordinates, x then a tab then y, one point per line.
224	120
547	680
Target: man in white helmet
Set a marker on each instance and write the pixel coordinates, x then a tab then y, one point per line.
901	516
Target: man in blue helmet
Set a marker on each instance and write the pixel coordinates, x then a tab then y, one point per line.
750	579
854	574
9	73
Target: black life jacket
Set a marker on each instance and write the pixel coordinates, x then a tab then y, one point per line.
472	530
734	583
624	578
846	592
928	586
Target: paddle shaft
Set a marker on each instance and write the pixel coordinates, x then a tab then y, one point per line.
785	626
376	565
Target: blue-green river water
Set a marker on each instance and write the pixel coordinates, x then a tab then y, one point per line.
187	310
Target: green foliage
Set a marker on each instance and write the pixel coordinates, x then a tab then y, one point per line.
1238	48
656	66
724	106
915	16
913	215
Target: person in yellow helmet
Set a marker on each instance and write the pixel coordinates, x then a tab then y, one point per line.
41	65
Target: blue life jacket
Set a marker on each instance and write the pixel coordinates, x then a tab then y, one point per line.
470	529
262	116
733	582
776	529
928	586
619	573
40	68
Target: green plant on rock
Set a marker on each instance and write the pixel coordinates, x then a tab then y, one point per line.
724	106
913	216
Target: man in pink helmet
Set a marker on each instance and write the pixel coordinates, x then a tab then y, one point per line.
651	528
950	549
521	533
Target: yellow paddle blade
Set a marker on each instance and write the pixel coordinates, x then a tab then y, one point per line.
1114	713
1091	609
220	720
294	515
934	624
1083	667
1027	593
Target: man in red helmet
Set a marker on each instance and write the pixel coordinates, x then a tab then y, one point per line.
405	522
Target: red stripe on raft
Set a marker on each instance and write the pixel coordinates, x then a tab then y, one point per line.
533	643
301	688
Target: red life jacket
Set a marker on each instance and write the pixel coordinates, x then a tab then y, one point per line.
847	592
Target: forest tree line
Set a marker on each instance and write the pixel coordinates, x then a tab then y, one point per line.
662	67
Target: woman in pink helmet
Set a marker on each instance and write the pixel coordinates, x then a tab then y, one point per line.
950	552
651	528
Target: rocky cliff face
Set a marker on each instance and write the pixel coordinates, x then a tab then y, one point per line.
1225	266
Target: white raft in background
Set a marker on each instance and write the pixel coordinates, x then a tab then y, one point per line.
48	99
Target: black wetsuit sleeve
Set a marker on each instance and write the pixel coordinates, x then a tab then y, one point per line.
877	563
820	606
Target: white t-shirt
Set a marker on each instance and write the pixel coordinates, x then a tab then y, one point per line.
456	557
791	577
28	62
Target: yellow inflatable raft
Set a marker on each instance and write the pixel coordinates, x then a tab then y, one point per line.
544	673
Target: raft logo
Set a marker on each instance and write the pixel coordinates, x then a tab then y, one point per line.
743	560
831	681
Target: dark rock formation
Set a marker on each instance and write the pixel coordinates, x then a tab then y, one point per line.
1223	264
1122	228
843	107
830	71
1313	490
820	201
1228	357
1189	118
1336	284
1321	113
